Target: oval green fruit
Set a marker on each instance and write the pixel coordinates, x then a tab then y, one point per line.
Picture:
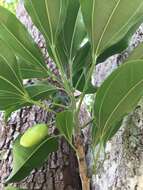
34	135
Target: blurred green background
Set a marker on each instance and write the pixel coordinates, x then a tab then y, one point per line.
9	4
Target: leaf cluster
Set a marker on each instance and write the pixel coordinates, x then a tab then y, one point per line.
78	36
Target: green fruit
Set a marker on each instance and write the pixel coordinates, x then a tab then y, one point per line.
34	135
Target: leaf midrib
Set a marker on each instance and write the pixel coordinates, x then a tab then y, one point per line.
50	24
102	101
74	32
39	22
4	58
15	104
27	61
41	93
92	25
29	157
59	18
3	78
68	133
9	92
106	45
106	26
24	47
32	70
122	99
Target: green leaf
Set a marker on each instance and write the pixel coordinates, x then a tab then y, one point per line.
65	124
17	37
119	46
70	41
49	17
117	96
112	132
12	188
11	88
73	31
12	108
94	134
40	91
108	29
79	80
61	99
37	91
137	53
82	59
26	159
81	65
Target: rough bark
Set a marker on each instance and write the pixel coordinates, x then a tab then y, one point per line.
60	172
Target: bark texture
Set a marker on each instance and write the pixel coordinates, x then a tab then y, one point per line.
60	172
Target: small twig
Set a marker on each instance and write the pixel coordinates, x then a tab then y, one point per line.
85	125
42	105
59	105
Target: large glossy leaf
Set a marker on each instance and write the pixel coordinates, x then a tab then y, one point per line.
117	96
107	29
49	17
26	159
17	37
11	88
65	124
